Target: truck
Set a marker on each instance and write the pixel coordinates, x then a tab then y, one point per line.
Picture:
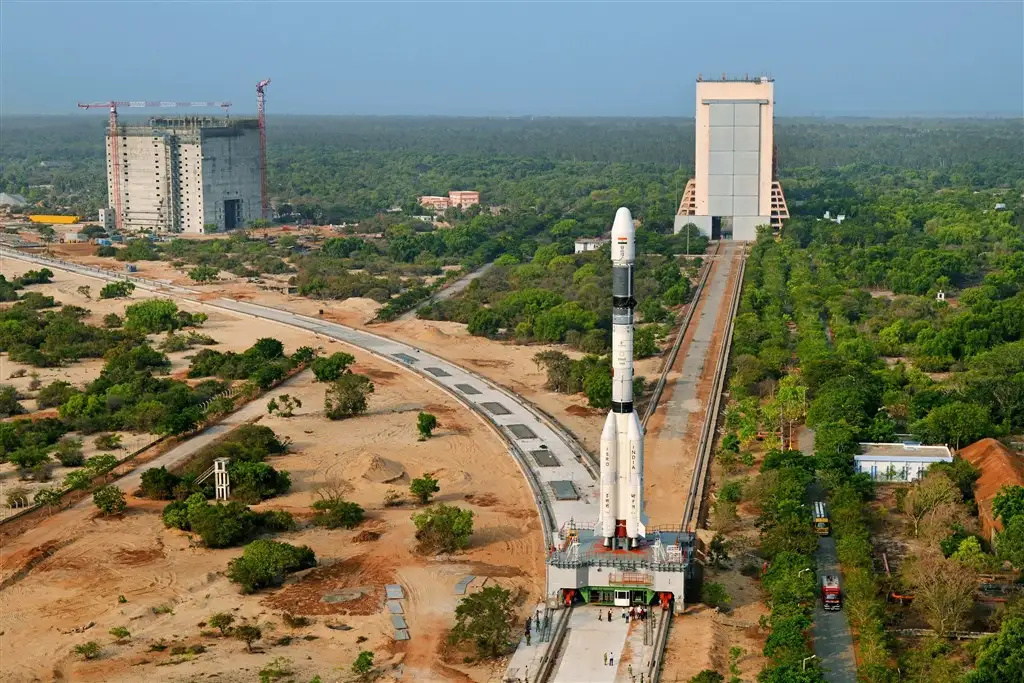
821	523
131	268
831	595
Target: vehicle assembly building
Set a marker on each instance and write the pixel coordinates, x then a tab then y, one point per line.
185	173
734	188
617	559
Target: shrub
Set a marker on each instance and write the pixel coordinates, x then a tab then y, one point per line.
425	425
252	482
485	619
110	500
443	528
55	394
732	491
117	290
714	594
9	404
330	368
337	514
221	621
108	442
265	563
424	488
90	650
363	665
112	320
347	396
159	484
292	621
248	634
121	633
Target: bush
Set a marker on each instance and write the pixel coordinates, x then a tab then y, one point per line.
112	320
69	452
248	634
337	514
55	394
265	563
221	621
330	368
110	500
159	484
252	482
90	650
117	290
714	595
9	404
223	525
347	396
485	619
443	528
424	488
425	424
108	442
121	633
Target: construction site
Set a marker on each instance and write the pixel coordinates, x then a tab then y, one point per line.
185	174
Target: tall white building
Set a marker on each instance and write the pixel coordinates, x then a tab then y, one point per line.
184	174
734	188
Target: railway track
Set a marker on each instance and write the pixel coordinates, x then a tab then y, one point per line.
650	658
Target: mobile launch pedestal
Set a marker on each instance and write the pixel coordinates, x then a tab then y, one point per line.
618	559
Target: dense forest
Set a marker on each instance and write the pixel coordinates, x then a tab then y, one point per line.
333	169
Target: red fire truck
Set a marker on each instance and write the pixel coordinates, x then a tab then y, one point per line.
831	596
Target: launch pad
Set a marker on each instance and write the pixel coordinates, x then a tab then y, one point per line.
619	559
581	568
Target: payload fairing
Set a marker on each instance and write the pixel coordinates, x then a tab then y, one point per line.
622	521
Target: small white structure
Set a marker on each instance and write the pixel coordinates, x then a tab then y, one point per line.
905	461
589	244
941	296
221	484
107	219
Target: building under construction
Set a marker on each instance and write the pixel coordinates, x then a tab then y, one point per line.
191	174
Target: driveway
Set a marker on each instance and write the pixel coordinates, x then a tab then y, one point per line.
833	643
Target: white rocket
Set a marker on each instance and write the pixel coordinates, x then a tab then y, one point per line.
622	522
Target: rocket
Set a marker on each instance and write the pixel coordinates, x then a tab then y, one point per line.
622	521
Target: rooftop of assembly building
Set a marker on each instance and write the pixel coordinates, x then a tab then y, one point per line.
189	122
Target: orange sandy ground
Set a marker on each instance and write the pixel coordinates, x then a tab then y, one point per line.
71	568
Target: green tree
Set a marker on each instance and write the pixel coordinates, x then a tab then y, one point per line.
1000	657
957	424
484	323
265	563
485	619
48	498
424	488
708	676
221	621
284	405
248	634
714	594
1008	503
425	425
9	404
110	500
203	274
645	341
330	368
347	396
597	385
334	513
117	290
443	528
934	490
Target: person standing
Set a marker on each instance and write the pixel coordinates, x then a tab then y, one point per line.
609	615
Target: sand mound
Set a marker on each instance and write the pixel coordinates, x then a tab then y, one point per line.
450	477
380	470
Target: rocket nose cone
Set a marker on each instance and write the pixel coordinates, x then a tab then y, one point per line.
623	224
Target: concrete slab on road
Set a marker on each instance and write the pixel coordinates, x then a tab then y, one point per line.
586	644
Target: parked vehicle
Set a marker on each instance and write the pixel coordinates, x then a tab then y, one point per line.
831	595
822	527
131	268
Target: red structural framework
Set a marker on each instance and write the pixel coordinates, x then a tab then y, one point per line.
260	113
115	158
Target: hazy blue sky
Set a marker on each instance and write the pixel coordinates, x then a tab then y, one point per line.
514	58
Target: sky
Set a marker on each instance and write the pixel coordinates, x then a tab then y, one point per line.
488	58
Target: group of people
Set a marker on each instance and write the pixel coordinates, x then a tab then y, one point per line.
634	614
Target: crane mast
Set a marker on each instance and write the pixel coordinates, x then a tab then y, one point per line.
261	115
115	157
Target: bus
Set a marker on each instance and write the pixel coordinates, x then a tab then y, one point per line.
821	523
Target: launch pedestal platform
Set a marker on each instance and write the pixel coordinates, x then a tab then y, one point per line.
581	569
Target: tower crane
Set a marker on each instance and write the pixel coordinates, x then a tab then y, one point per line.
261	115
115	158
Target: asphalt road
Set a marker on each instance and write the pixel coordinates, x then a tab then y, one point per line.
449	291
832	641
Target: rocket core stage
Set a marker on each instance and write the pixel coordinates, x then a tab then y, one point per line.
622	522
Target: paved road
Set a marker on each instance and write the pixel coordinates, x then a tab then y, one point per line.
449	291
833	643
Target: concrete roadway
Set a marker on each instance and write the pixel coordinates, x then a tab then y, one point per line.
449	291
833	643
